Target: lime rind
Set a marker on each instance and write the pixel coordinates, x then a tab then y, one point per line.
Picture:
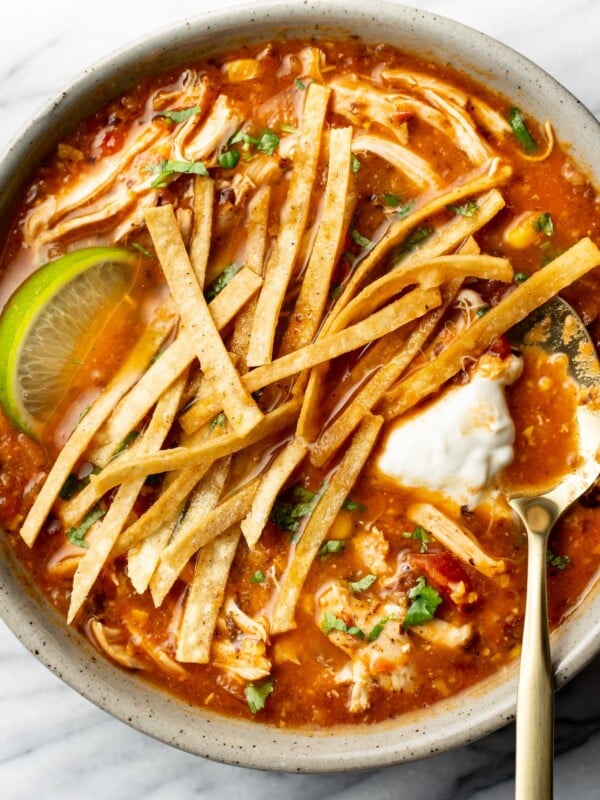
51	309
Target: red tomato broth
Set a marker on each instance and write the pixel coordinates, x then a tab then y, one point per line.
497	607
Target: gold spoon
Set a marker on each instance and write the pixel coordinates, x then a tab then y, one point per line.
556	328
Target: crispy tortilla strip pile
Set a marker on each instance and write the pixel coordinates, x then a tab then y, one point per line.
276	326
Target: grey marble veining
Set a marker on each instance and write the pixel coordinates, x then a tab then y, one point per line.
55	745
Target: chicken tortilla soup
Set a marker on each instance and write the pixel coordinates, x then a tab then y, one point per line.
261	415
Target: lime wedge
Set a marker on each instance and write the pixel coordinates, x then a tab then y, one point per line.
45	321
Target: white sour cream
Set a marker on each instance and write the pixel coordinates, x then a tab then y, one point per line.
459	443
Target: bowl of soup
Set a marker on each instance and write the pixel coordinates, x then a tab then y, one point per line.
261	413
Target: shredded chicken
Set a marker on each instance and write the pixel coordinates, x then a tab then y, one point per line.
379	655
240	646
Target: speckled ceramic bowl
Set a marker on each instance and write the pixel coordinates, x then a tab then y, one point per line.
447	724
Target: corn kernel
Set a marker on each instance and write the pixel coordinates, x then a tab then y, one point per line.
522	231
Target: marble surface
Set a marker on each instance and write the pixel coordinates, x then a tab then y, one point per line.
55	744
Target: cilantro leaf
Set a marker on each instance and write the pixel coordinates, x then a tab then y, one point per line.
219	420
286	515
131	437
77	535
268	142
359	239
256	694
332	623
143	250
391	200
363	583
544	224
376	630
560	562
221	281
258	577
352	505
355	164
413	240
180	116
166	168
425	601
300	84
229	159
468	209
332	546
525	139
419	534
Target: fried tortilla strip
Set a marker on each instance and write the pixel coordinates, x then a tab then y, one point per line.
280	264
534	292
143	559
204	193
135	364
400	312
454	538
492	175
443	240
205	598
254	256
204	499
314	291
427	274
271	483
229	512
216	363
112	524
163	511
172	362
371	393
177	458
322	518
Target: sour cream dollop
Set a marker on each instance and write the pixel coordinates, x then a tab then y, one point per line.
459	443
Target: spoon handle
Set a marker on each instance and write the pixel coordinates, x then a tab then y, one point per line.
535	698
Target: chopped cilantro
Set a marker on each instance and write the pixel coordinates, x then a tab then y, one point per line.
143	250
425	601
256	694
331	546
300	85
544	224
419	534
268	142
332	623
218	420
376	630
413	240
286	515
560	562
77	535
352	505
350	258
166	168
404	210
258	577
359	239
73	485
523	136
482	310
70	487
180	116
131	437
336	292
468	209
355	164
229	159
363	583
520	277
221	281
391	200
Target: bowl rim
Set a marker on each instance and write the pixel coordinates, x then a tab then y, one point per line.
465	717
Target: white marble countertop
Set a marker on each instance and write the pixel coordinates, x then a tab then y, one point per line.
55	744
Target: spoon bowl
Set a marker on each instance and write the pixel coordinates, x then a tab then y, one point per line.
556	329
